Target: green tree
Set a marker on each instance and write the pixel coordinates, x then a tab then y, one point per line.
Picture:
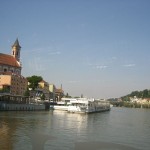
145	93
34	80
5	90
148	93
139	94
125	98
43	96
27	93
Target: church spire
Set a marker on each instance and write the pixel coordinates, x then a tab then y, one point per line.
16	44
16	50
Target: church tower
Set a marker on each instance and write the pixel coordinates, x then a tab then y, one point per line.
16	50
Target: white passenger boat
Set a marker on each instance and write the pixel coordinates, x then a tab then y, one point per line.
61	106
84	105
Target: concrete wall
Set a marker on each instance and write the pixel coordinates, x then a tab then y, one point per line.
21	107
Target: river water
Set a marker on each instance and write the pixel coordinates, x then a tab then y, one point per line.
118	129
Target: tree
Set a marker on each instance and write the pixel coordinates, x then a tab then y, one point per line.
125	98
145	93
34	80
27	93
5	90
139	94
43	96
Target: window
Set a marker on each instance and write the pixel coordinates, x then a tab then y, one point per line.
5	70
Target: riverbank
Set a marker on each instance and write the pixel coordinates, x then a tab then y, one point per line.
24	107
131	105
21	107
136	105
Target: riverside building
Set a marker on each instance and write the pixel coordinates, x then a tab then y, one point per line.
11	80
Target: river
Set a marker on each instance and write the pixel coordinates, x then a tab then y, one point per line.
117	129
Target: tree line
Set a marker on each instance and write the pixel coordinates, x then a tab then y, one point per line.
139	94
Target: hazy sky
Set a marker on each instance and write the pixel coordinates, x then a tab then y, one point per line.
98	48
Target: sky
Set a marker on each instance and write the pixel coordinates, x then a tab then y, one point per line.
97	48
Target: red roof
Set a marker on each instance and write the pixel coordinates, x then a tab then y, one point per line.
8	60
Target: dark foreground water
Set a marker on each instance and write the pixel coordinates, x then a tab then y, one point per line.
118	129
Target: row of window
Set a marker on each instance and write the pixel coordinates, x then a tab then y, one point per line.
12	70
18	84
18	81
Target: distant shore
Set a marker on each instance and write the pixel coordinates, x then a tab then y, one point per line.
132	105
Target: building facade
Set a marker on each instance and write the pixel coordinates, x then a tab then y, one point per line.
44	87
59	93
13	83
11	63
52	89
11	80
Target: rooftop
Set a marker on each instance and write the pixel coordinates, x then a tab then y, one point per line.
6	59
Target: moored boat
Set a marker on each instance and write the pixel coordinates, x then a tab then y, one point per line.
60	106
63	104
84	105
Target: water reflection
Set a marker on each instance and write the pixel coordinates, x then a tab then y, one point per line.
8	127
22	130
5	137
71	121
101	146
57	130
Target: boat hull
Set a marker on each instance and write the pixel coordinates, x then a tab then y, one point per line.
64	108
74	109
